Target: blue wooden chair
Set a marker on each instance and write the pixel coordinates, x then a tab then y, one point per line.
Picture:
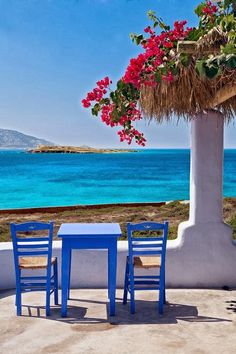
146	252
32	247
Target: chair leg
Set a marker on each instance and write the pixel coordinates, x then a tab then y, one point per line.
18	298
164	296
164	288
48	289
55	271
126	282
132	299
161	300
161	292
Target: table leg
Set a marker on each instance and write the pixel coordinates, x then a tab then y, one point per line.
109	273
112	261
65	269
68	296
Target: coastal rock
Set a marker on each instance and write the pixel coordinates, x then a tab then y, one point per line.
76	150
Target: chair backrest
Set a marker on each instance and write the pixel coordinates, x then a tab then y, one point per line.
140	246
32	239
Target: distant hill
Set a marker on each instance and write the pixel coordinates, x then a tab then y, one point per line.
16	140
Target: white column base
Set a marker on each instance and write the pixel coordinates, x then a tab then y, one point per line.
206	255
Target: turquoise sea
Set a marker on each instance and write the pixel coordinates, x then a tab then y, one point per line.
35	180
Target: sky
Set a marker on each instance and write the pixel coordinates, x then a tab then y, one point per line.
52	52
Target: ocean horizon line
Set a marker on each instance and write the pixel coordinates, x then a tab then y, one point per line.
115	148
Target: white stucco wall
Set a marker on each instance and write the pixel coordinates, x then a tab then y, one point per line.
184	266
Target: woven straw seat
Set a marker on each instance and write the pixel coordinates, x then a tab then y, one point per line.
35	262
147	262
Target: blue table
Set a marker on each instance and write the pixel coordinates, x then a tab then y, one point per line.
89	236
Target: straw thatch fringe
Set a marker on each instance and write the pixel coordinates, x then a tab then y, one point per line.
187	95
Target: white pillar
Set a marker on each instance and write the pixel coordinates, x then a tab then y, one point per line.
204	252
206	168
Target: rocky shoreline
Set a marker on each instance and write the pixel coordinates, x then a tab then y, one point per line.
76	150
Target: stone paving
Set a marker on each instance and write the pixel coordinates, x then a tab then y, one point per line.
194	321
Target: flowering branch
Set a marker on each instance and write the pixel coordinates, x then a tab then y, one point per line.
160	63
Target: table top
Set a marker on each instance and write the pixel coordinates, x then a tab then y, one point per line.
89	229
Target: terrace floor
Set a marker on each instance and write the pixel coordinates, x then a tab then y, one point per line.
194	321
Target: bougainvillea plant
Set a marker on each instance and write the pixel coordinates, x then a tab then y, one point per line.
160	62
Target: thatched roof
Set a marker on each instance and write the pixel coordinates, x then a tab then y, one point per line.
190	93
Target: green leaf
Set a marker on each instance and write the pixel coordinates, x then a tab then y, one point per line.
105	101
231	61
228	23
155	24
185	59
115	116
212	71
157	21
136	38
121	85
194	34
229	48
200	67
128	124
95	109
157	77
163	70
199	8
123	110
114	97
174	70
132	36
164	26
152	15
139	39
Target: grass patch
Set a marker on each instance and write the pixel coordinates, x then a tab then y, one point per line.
175	209
4	233
173	231
232	223
175	212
